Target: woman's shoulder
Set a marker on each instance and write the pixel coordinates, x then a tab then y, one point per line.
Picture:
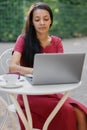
20	37
57	42
56	38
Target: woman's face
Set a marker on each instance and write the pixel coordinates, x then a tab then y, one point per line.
41	20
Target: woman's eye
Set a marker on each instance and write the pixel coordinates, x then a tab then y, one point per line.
37	20
46	19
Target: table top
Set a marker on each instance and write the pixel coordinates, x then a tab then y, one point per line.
26	88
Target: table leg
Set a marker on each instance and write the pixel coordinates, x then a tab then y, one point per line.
20	112
28	123
55	110
28	113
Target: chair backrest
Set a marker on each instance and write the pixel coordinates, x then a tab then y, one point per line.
5	60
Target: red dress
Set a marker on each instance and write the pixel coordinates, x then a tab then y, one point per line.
41	106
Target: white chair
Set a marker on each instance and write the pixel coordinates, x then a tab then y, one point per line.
5	58
8	120
5	101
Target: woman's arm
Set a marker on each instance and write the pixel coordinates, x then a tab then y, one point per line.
15	65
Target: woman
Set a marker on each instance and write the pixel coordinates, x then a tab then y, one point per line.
36	39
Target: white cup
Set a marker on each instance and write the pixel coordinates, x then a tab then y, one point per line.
11	78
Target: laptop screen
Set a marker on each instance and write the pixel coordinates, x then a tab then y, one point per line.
55	68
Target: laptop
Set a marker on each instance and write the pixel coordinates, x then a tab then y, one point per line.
56	68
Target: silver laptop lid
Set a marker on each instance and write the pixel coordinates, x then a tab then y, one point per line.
58	68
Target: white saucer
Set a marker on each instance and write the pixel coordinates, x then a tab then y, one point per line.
10	86
29	75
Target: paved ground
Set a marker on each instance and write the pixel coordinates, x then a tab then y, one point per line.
70	45
79	45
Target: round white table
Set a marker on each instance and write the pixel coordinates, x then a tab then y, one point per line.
27	89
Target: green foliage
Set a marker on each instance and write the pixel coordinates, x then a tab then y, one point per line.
11	19
69	18
74	2
71	21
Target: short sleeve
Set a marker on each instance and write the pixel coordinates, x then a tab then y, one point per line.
19	44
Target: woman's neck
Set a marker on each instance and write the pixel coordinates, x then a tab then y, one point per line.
45	40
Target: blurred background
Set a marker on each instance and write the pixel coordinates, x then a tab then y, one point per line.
70	18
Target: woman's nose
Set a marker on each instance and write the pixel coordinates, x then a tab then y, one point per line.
41	21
